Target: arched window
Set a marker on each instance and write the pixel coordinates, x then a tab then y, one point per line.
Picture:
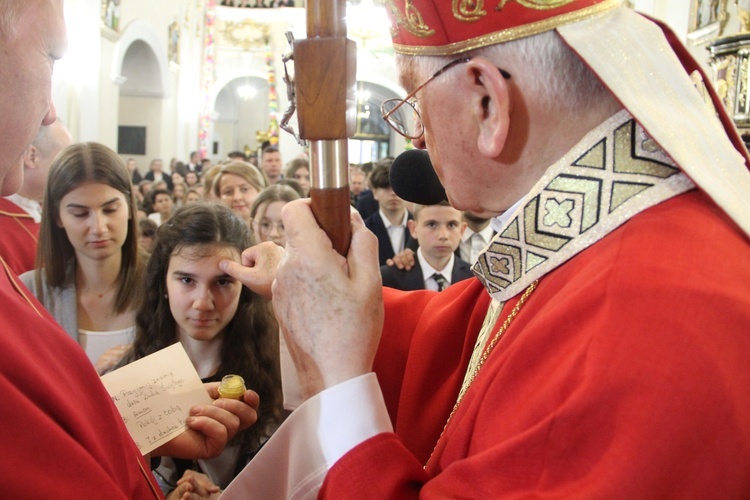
372	136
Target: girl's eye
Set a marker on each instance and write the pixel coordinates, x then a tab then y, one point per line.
224	282
185	280
79	215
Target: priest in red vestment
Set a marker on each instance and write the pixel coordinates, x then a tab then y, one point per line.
602	350
21	212
20	235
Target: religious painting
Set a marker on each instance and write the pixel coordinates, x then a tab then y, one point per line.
707	20
173	51
111	14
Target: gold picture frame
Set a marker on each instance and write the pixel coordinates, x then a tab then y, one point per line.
707	20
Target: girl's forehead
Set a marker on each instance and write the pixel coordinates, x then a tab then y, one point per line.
89	187
274	206
200	251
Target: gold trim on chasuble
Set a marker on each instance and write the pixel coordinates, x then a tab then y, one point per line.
412	21
16	217
20	289
22	214
615	172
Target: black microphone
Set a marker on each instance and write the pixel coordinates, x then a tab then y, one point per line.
413	178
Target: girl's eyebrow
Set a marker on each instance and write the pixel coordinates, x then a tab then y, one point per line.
186	274
183	273
76	205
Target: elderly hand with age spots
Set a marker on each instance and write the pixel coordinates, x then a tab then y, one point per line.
329	307
258	268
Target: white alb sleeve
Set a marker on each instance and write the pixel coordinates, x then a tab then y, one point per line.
294	462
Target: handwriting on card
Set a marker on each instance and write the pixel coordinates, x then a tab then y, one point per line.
154	395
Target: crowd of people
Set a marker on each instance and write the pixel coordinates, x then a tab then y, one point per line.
128	263
255	188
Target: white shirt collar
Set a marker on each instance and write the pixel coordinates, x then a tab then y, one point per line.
497	223
387	222
32	207
428	270
485	233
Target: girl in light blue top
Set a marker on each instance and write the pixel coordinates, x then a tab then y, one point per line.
89	269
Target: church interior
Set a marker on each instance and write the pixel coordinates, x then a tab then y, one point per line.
162	79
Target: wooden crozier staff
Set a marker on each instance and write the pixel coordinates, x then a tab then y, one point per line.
325	77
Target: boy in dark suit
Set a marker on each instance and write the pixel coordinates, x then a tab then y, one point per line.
438	230
389	223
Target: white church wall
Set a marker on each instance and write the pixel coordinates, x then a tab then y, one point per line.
86	88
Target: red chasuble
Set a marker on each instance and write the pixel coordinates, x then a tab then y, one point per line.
60	434
18	237
624	375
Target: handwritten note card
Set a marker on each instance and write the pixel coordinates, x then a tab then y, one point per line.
154	395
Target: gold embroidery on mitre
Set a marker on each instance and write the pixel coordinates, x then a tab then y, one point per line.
537	4
507	34
469	10
616	172
411	20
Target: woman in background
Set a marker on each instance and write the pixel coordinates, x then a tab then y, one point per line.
193	196
146	234
299	170
88	269
179	194
192	178
162	206
224	327
237	185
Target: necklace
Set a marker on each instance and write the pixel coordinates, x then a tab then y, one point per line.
102	294
485	355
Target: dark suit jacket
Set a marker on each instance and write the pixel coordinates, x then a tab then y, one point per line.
167	178
412	279
366	204
180	168
385	250
137	177
197	168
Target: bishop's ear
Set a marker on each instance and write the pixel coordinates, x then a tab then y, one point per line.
491	106
30	156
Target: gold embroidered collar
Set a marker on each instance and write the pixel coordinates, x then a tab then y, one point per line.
615	172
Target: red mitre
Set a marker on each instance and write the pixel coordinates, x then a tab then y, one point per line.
446	27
